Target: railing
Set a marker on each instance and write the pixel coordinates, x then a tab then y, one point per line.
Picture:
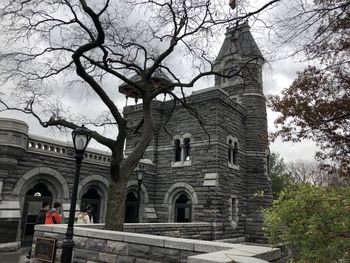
56	148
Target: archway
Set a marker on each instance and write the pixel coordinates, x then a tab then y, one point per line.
91	200
131	207
33	201
183	208
181	199
95	188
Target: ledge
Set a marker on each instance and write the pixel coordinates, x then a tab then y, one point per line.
181	164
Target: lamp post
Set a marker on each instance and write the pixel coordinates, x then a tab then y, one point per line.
140	173
81	137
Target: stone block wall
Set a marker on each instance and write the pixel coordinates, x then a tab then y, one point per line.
195	230
93	245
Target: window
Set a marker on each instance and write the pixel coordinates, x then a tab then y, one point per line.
234	211
177	150
235	153
183	206
187	148
182	150
232	152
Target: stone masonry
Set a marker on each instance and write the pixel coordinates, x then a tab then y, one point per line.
229	193
216	176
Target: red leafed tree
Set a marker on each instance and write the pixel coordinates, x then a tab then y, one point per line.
317	104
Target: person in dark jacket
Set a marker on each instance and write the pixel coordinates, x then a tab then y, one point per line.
40	219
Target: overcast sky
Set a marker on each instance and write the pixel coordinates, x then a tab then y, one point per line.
278	75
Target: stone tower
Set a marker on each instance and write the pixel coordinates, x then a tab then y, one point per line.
218	175
240	56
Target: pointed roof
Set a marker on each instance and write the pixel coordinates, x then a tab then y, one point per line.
239	43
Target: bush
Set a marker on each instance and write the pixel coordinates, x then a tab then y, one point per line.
314	221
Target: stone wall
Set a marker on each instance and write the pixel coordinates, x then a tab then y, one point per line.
27	160
199	230
94	245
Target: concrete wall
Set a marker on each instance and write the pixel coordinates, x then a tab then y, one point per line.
94	245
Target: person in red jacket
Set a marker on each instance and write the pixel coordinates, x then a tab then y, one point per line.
53	216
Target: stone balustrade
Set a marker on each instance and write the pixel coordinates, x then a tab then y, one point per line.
60	149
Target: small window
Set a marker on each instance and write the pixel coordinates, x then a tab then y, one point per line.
177	150
234	211
187	149
235	153
183	206
234	204
230	151
182	150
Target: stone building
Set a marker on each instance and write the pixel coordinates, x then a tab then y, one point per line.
216	175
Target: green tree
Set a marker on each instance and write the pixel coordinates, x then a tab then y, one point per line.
280	178
314	221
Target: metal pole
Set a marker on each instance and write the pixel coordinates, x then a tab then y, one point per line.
138	200
68	243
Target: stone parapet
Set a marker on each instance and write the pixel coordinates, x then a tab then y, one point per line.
94	245
46	146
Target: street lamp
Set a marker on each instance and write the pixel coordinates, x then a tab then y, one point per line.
140	174
81	137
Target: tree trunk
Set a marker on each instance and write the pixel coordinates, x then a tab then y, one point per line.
116	203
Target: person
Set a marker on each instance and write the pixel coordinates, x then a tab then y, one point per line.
91	213
83	217
40	219
53	216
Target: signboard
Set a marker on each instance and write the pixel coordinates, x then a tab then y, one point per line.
45	249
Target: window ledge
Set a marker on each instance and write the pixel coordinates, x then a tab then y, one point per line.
181	163
232	166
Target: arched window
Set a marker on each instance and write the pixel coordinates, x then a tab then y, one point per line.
177	150
235	153
183	206
230	151
131	208
187	149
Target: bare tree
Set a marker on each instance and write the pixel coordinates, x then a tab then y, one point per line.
98	41
316	105
315	173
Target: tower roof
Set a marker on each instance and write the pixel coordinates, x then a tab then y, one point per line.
239	43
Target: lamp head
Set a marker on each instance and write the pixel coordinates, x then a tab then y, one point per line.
140	172
81	138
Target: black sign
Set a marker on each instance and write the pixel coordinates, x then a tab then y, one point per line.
45	249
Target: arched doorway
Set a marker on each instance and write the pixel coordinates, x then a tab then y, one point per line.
34	198
183	207
91	200
131	208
